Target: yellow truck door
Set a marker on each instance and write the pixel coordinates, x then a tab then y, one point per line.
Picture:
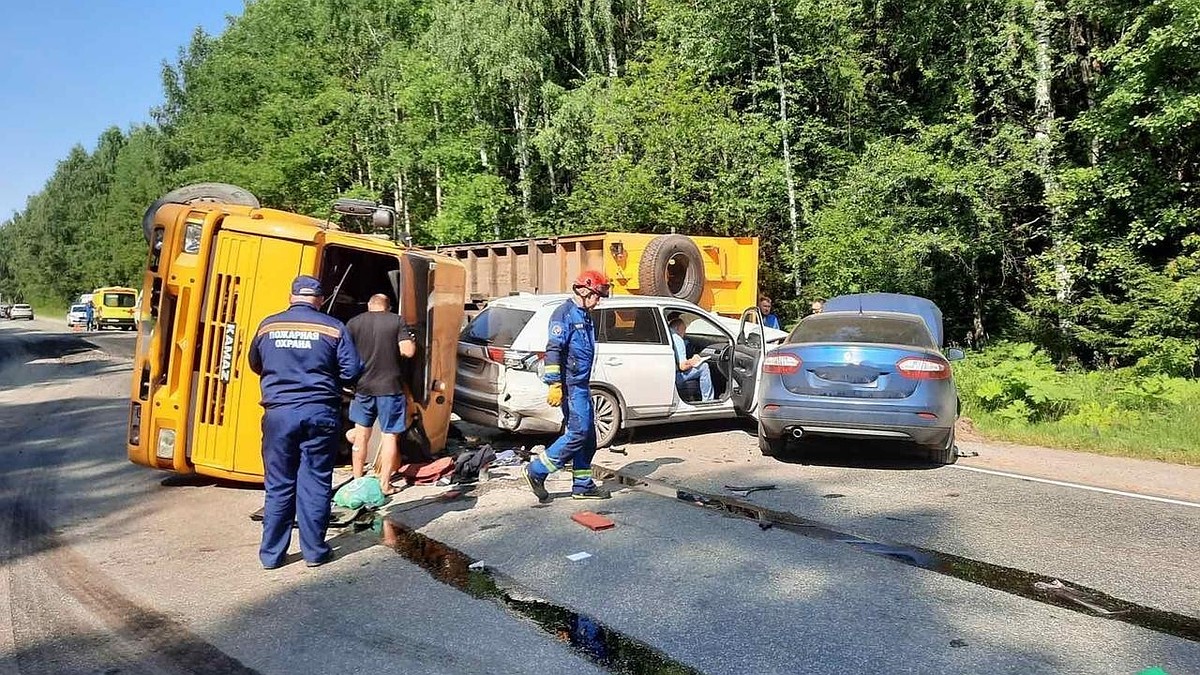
249	279
432	305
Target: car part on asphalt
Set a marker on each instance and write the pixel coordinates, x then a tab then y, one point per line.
593	521
747	489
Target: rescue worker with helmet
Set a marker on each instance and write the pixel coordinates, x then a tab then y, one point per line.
570	352
304	357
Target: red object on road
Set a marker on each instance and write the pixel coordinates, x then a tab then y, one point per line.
593	521
427	473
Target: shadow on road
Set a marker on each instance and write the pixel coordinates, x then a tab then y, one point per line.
716	592
858	454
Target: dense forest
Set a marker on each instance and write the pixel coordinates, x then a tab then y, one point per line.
1031	165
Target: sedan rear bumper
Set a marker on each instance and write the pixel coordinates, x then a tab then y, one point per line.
782	419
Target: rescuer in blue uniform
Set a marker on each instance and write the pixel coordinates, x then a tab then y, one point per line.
569	355
305	358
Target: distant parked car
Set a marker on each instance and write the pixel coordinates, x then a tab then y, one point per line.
77	316
21	312
4	310
501	352
868	366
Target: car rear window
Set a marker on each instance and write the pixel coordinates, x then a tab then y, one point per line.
863	328
20	306
78	308
496	326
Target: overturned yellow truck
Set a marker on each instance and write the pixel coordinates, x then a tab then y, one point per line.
218	264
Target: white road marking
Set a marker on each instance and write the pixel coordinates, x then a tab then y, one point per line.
1165	500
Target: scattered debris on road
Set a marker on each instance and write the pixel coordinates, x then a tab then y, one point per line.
593	521
1058	589
576	557
747	489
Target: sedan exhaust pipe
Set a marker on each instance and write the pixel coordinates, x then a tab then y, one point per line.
797	433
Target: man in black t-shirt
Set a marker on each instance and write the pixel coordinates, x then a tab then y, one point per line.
382	339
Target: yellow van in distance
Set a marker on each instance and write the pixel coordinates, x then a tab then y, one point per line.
115	307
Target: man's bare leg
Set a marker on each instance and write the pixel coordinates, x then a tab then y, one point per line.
388	457
358	455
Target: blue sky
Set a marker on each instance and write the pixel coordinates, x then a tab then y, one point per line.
69	69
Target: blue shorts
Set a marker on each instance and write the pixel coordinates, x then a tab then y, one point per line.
390	410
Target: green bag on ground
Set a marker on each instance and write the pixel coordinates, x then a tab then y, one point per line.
365	491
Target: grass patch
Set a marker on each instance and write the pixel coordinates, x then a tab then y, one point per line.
49	310
1013	392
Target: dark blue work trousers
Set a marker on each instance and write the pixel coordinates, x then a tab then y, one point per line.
299	448
576	446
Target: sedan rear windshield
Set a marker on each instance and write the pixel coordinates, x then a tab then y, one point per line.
863	328
496	326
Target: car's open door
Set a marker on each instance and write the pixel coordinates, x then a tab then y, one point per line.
747	362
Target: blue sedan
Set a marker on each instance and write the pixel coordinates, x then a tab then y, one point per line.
868	366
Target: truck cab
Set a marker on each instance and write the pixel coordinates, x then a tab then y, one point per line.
215	270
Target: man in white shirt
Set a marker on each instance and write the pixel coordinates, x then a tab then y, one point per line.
689	369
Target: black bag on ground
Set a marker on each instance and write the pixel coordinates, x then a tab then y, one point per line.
470	462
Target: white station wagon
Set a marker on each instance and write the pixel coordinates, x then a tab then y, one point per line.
501	352
21	311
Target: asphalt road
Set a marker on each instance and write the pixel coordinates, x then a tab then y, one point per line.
108	566
1139	550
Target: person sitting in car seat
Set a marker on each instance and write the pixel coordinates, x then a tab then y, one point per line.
695	368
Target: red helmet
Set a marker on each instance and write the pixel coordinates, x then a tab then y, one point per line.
594	281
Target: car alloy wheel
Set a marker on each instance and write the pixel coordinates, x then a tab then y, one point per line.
607	411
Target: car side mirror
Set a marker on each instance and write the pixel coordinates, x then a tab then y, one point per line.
955	354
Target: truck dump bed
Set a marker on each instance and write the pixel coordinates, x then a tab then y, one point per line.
717	273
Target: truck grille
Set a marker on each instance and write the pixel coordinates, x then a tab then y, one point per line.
220	353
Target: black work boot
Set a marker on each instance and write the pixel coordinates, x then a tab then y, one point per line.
538	485
592	492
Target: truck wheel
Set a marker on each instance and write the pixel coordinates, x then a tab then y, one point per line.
221	193
672	266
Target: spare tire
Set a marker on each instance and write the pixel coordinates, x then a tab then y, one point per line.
672	266
219	193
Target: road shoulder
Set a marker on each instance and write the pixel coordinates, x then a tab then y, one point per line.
1141	476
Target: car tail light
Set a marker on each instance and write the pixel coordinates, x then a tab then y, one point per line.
923	368
781	364
513	358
